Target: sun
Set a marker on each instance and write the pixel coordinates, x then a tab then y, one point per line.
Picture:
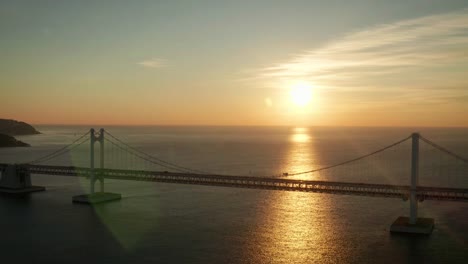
301	93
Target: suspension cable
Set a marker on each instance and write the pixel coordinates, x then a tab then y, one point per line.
443	149
351	160
142	157
57	152
154	158
67	151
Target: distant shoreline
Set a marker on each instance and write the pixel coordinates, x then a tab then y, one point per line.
10	128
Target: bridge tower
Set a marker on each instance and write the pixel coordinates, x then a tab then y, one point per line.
101	196
413	224
93	177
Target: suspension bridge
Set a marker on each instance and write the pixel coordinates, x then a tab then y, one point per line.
122	161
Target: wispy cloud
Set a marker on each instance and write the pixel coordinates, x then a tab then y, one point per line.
429	52
153	63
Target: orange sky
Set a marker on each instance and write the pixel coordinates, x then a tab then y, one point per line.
233	64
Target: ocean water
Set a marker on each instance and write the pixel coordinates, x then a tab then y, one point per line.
172	223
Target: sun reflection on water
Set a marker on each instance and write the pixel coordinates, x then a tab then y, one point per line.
301	227
302	155
299	222
300	138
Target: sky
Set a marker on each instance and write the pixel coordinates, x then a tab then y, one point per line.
356	62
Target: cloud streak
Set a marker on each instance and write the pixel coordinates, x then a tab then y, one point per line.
429	52
153	63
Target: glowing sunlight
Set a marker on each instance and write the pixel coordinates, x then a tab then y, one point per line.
301	93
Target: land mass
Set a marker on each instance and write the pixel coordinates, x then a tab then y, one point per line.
12	127
9	141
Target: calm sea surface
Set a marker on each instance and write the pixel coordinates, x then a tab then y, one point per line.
171	223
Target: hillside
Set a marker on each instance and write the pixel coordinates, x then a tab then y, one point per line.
16	128
9	141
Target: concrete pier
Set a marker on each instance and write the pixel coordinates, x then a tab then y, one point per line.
95	198
403	225
17	180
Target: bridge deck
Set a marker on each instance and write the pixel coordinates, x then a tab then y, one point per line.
363	189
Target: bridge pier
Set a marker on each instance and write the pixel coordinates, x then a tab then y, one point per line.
101	196
413	224
16	179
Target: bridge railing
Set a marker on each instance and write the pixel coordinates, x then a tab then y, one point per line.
383	190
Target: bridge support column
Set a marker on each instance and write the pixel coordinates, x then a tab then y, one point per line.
101	159
101	196
16	179
413	224
414	179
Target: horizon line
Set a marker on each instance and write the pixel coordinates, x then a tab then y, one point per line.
239	125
